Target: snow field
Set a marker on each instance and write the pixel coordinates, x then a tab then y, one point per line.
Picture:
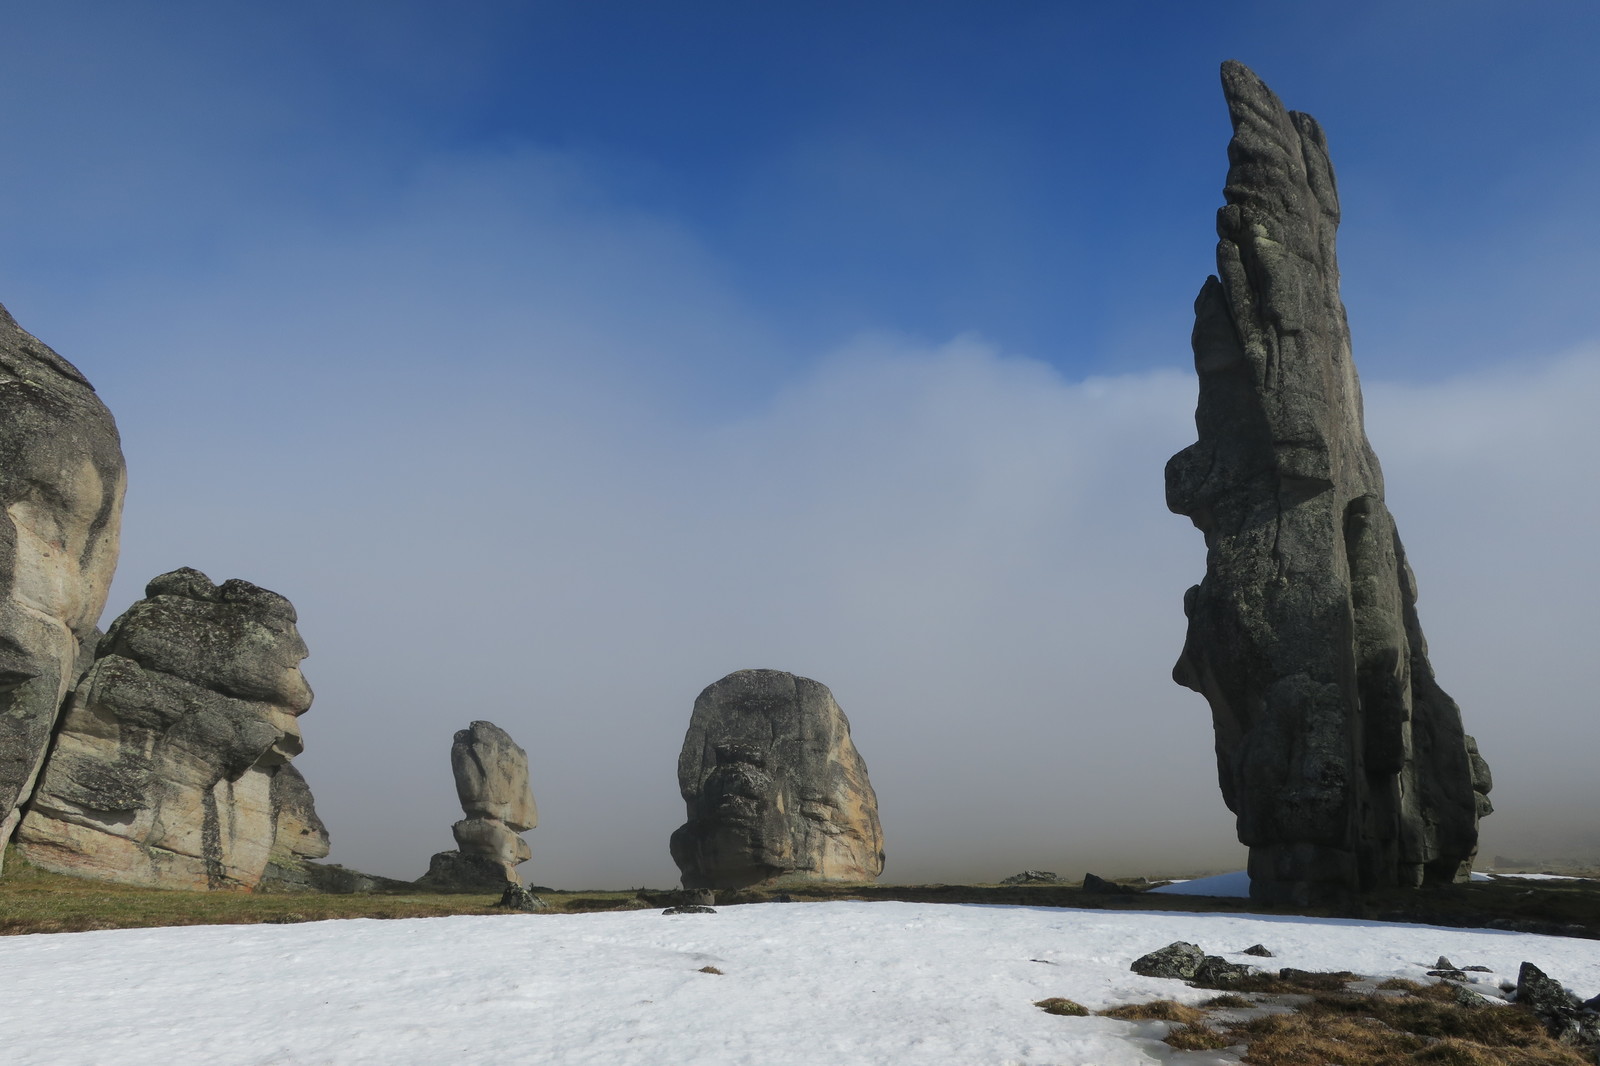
804	984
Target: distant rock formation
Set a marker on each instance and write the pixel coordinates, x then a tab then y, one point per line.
1344	761
171	765
61	485
491	774
775	789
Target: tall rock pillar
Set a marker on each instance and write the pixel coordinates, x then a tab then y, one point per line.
1344	761
61	485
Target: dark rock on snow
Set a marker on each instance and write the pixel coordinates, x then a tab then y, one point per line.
689	908
1341	756
1179	959
1032	877
62	480
1215	971
1567	1019
1258	950
775	789
171	767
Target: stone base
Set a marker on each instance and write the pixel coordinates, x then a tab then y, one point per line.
451	871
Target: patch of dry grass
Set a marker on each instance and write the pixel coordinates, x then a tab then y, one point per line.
1065	1007
1227	1000
1199	1037
709	969
1424	1026
1160	1010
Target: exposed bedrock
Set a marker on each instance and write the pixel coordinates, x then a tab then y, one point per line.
61	485
1343	759
171	764
491	774
775	788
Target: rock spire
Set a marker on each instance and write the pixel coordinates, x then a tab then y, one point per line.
62	480
1343	759
491	774
775	788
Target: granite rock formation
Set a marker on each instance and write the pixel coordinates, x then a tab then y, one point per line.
61	485
491	774
170	768
1343	759
775	789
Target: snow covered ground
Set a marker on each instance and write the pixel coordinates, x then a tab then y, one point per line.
802	984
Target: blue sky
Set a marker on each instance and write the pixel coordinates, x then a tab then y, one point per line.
558	358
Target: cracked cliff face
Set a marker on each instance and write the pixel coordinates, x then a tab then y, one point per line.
171	764
61	486
1344	761
775	789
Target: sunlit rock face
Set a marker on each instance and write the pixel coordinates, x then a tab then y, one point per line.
61	485
166	771
775	788
1344	761
491	774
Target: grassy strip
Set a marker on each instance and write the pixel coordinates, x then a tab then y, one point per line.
33	901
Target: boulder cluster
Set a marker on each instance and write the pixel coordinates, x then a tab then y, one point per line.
159	753
171	763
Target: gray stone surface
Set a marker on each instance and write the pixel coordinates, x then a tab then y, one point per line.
775	789
171	764
1341	756
62	480
1179	959
491	775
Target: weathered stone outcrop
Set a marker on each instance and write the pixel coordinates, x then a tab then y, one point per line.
491	774
775	789
61	485
171	765
1343	759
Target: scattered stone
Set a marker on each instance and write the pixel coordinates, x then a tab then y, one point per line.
61	485
171	767
518	898
1466	997
1475	969
1542	993
1444	964
1564	1016
710	969
1102	887
775	789
491	774
1179	960
1451	974
1258	950
689	908
1216	972
1344	761
1032	877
